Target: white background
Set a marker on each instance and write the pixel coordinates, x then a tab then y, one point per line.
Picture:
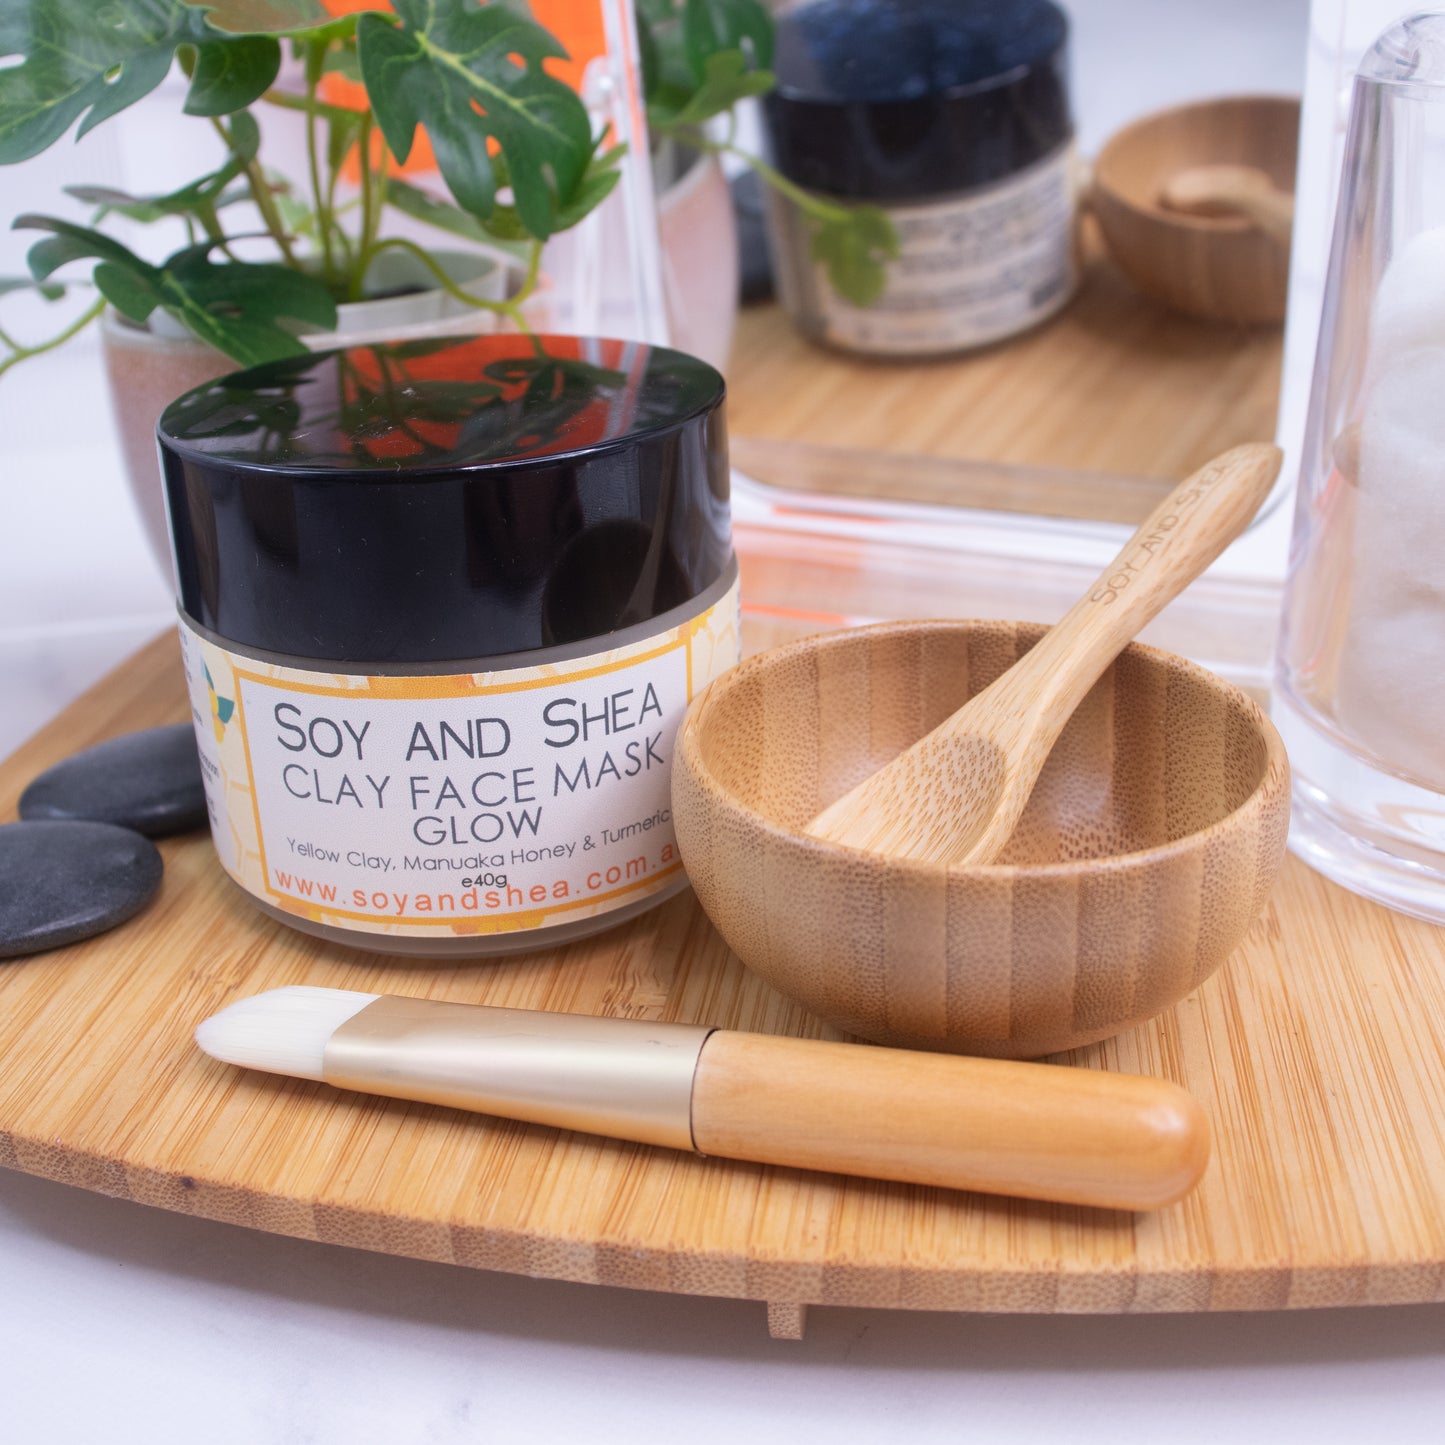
138	1327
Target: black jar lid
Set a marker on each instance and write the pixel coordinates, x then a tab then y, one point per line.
904	99
455	499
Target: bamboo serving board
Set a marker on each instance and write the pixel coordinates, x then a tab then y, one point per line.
1318	1053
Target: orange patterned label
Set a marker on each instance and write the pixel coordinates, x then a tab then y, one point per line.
462	803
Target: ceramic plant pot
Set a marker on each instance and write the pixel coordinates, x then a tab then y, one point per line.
700	267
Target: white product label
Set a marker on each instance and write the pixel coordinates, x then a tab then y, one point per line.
968	271
451	805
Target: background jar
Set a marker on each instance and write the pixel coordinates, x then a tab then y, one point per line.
953	118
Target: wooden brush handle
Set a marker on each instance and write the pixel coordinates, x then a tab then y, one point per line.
1042	1131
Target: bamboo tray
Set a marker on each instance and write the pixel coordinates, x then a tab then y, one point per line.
1318	1053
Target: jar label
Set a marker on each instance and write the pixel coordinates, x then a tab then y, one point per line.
446	806
969	270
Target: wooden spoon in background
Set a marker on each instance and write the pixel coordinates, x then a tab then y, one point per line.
956	794
1227	190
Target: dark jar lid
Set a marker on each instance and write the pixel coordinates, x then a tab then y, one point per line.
452	499
905	99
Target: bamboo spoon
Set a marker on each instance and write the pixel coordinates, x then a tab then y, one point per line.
956	794
1226	190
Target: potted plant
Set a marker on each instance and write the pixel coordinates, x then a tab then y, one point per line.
513	145
269	264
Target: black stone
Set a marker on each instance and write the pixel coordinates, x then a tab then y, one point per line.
149	781
62	882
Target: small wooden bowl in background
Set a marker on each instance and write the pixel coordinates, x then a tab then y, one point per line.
1219	268
1148	847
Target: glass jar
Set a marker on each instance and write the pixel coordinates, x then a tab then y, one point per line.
442	607
952	118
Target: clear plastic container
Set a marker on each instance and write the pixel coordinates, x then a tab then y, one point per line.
1360	682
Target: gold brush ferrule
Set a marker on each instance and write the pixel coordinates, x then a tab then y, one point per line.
626	1078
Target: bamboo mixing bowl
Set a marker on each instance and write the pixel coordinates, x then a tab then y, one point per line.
1220	268
1148	846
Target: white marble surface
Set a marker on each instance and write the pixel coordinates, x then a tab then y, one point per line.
159	1328
125	1325
138	1327
78	589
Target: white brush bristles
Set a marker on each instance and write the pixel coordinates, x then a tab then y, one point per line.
283	1031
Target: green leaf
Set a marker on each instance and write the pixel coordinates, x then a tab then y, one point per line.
416	203
854	248
232	74
74	67
208	193
296	216
240	308
50	290
726	80
245	135
312	53
135	208
667	76
507	226
469	75
266	17
647	54
69	242
343	130
131	292
597	184
86	63
700	61
711	27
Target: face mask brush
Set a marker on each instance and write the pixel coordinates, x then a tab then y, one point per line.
1040	1131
